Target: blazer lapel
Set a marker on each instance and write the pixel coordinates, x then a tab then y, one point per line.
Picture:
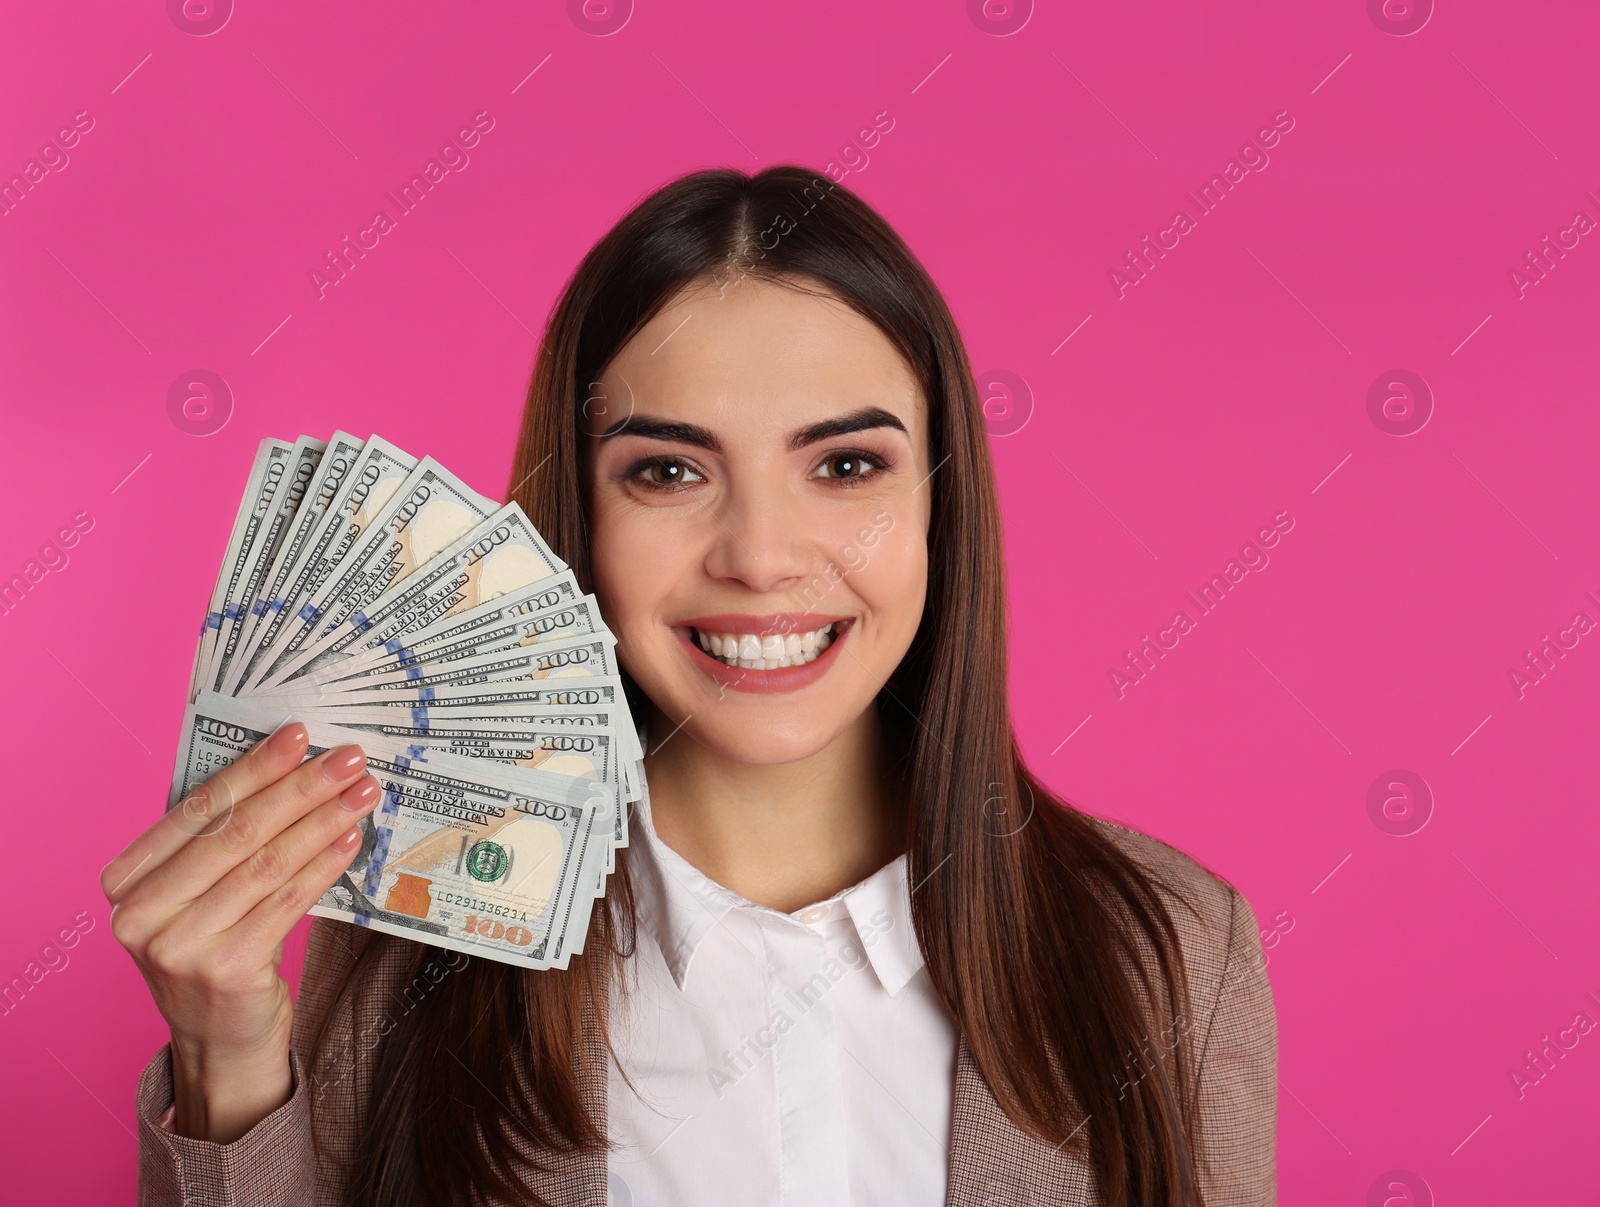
994	1163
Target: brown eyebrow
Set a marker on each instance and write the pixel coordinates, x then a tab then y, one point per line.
863	420
664	429
652	428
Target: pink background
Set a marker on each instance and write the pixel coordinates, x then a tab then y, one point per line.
1412	972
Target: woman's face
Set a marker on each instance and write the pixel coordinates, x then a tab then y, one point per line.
760	506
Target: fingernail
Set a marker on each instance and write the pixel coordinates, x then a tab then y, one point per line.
288	740
360	794
343	762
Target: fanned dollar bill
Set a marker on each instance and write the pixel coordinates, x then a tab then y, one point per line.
548	610
430	511
503	553
377	474
378	599
266	476
332	469
264	544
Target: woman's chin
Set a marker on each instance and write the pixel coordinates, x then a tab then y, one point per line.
745	732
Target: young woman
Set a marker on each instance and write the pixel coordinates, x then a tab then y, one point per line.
856	952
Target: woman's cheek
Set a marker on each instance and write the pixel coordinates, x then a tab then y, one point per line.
887	560
633	568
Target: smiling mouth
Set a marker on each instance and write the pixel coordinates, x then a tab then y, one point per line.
768	652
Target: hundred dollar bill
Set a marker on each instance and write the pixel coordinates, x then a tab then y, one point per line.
431	510
269	536
548	610
417	720
553	744
501	554
377	474
589	754
586	656
266	476
337	459
491	859
585	693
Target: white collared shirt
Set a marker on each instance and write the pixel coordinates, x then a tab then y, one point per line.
798	1059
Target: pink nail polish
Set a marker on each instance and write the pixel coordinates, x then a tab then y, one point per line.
343	762
288	740
360	794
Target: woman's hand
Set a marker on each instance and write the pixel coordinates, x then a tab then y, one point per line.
203	900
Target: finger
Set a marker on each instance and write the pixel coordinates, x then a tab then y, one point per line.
277	862
276	916
253	823
265	761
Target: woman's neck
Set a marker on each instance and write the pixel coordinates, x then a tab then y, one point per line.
783	835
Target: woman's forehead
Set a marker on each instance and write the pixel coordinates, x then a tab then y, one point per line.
763	354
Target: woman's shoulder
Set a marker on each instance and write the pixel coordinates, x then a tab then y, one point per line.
1177	872
1230	1022
1215	924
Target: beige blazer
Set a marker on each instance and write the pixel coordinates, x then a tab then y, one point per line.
992	1162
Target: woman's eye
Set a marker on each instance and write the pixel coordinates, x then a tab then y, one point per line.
847	465
665	473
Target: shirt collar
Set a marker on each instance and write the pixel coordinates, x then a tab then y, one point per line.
678	906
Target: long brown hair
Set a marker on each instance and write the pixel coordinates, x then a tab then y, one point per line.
1051	948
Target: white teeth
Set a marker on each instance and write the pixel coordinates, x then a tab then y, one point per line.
769	652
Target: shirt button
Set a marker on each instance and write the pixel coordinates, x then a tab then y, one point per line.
812	913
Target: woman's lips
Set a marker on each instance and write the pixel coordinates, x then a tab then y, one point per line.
761	626
751	679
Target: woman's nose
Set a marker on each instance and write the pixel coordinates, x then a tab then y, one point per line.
759	543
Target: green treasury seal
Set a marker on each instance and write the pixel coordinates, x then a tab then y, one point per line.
487	860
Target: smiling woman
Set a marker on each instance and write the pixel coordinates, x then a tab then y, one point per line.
856	952
772	426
